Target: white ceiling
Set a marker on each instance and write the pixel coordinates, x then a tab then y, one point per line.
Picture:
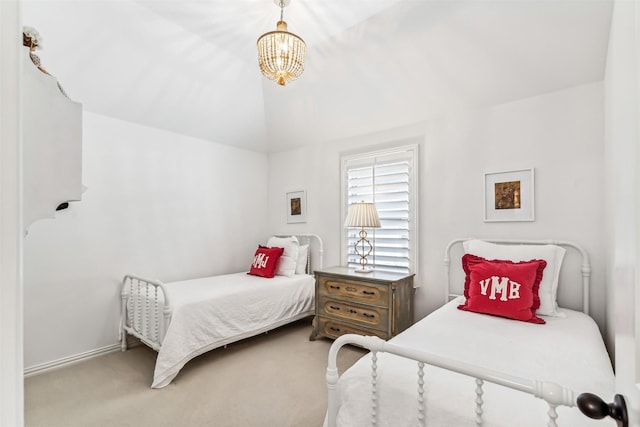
190	66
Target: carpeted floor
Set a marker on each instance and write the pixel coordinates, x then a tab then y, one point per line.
275	379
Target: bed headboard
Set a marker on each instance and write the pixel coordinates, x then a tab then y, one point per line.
316	250
585	267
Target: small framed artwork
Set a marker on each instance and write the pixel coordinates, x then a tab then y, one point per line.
296	207
508	196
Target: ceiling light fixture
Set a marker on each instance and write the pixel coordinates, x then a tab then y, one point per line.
281	53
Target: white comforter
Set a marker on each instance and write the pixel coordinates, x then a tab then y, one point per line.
214	311
567	350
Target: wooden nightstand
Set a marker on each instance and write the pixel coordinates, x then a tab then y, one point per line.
376	303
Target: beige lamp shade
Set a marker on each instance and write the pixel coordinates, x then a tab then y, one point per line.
362	215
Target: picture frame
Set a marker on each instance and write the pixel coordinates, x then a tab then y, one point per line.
509	196
296	207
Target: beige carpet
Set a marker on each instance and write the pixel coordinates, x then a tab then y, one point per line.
275	379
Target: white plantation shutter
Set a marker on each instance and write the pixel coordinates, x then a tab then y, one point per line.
385	178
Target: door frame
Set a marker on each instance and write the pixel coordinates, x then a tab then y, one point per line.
622	205
11	302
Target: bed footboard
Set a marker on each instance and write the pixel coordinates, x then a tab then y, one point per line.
146	311
554	394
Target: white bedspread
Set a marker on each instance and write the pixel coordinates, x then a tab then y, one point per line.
214	311
568	351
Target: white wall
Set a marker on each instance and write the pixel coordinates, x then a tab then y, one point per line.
158	204
559	134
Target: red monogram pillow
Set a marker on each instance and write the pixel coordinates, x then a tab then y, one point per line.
265	261
502	288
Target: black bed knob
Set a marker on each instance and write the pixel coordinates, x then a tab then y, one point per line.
594	407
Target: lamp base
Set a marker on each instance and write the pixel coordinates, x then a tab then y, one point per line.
363	270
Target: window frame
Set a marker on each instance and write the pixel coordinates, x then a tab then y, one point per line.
363	155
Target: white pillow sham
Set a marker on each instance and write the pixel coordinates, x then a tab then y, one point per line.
301	266
552	254
289	258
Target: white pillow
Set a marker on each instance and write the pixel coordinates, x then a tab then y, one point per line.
289	258
552	254
301	266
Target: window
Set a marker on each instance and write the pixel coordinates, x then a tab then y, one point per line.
388	178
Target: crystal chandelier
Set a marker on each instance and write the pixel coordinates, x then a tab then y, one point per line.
281	53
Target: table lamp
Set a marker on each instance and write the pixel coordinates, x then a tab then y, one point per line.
362	215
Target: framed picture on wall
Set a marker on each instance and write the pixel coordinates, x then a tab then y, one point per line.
296	207
508	196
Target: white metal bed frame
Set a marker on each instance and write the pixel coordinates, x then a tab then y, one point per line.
554	394
145	312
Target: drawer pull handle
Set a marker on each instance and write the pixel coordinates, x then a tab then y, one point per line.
352	311
351	289
370	316
368	292
334	329
333	307
334	287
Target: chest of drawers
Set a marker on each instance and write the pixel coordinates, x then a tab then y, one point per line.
374	303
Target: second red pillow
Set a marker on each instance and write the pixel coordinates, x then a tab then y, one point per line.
502	288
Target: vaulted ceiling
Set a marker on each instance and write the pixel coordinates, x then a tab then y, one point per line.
190	66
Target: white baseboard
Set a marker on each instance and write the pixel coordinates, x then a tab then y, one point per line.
48	366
